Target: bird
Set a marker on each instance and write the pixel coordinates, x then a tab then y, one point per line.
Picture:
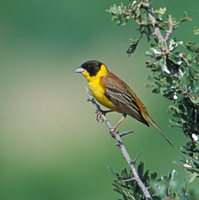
114	94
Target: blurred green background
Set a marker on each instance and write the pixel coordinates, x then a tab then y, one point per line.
51	146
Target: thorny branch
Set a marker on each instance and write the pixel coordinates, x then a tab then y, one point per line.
120	144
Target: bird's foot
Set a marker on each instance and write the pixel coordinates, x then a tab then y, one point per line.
100	113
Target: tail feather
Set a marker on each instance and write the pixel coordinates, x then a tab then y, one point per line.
159	129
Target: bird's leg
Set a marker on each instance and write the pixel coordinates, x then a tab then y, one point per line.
100	113
116	125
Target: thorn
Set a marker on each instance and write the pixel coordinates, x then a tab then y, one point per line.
118	143
137	156
127	180
125	133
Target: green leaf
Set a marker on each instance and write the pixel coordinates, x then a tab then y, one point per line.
154	176
192	177
164	67
156	90
112	171
174	180
192	46
124	173
194	100
141	168
174	123
173	44
161	12
174	110
150	85
196	30
133	45
185	18
118	14
148	53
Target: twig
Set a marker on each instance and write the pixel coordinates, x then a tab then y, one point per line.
125	133
128	180
137	156
120	144
154	22
169	32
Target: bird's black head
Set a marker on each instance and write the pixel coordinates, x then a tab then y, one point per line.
92	67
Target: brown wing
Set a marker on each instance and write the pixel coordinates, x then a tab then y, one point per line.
118	93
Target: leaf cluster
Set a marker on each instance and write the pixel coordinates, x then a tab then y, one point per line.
174	73
168	187
191	159
176	77
136	11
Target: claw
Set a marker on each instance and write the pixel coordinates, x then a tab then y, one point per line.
100	113
99	116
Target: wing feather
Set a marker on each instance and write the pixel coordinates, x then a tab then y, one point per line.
123	99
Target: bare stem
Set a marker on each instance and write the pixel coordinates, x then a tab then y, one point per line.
120	144
157	32
169	32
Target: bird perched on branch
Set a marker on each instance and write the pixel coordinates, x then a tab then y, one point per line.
115	94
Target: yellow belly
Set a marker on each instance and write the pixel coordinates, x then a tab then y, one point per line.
98	93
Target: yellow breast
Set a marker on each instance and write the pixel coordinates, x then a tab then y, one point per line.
98	92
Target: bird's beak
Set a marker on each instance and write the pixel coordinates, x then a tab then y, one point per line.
79	70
